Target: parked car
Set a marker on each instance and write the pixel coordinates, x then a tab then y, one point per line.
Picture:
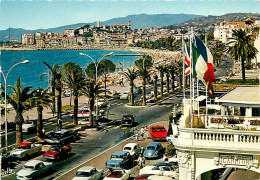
83	121
125	95
116	94
57	152
29	126
154	150
101	103
24	150
84	112
157	177
158	133
158	170
62	136
142	177
33	169
128	120
120	159
88	173
137	91
134	149
118	174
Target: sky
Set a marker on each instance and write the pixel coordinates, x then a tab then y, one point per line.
35	14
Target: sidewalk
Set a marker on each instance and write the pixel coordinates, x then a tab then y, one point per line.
99	160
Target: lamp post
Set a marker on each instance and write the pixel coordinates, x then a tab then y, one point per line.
5	80
96	63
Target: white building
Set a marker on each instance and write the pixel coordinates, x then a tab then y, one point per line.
69	32
27	39
229	138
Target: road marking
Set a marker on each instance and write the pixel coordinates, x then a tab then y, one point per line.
109	126
169	105
124	128
66	122
163	105
54	124
116	127
114	104
48	123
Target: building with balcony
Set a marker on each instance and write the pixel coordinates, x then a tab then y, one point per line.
226	137
27	39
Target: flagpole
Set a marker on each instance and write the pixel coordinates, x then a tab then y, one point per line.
193	82
191	72
206	86
183	69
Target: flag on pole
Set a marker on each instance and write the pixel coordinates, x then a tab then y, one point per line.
203	64
187	60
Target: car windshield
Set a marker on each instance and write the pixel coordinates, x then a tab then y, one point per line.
21	147
28	122
54	149
127	117
158	130
127	148
28	167
116	156
150	148
82	174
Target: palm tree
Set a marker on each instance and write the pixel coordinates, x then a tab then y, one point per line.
171	70
41	98
21	102
91	90
144	74
241	47
74	79
167	82
162	69
155	87
179	72
56	84
131	75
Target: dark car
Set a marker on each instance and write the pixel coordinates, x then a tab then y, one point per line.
57	152
62	136
128	120
142	176
120	159
154	150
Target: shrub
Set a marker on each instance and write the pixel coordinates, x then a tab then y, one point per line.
240	81
170	150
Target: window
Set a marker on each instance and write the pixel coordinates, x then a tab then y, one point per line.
256	112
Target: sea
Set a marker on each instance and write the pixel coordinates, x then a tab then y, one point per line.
31	73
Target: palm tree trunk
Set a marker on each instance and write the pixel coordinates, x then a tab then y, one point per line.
39	121
59	102
76	107
161	85
19	133
180	81
144	93
155	88
105	84
243	69
91	107
132	92
167	83
172	82
53	99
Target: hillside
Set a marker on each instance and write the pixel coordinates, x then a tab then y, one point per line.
137	21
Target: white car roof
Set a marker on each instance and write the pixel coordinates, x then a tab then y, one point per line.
156	177
86	168
32	163
131	145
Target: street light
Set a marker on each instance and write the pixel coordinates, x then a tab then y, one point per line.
96	65
5	80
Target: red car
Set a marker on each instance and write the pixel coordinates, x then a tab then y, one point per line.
57	152
158	133
143	177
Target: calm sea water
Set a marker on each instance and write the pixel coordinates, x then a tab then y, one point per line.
30	73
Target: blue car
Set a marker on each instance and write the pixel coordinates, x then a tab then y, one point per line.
120	160
154	150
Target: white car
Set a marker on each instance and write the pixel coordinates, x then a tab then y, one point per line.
29	126
119	174
101	103
156	177
88	173
83	121
33	169
134	149
124	95
161	170
24	150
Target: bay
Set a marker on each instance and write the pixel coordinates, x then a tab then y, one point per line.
30	73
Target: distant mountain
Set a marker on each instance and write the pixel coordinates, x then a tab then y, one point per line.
137	21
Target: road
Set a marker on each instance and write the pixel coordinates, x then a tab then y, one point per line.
88	146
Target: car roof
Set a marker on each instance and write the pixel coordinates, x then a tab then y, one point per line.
127	115
24	143
61	131
131	145
153	144
164	164
157	127
119	153
32	162
86	168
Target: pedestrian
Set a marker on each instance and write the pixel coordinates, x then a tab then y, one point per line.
43	133
59	123
136	132
27	118
146	132
142	132
141	161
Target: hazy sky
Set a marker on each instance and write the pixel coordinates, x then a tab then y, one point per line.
34	14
